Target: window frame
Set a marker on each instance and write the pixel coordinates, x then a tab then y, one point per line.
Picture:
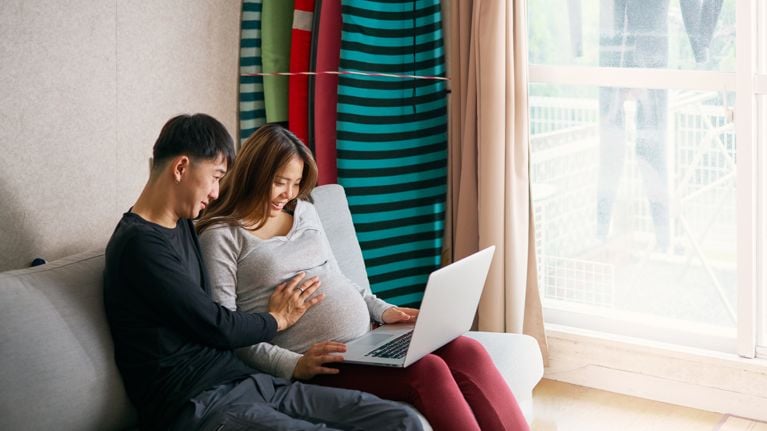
747	180
760	90
751	191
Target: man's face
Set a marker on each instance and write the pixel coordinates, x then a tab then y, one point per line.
199	185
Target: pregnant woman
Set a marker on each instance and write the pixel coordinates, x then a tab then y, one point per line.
262	230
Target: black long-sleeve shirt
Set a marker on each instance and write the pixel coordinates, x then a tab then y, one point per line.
171	340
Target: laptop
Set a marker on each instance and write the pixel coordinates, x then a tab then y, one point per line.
447	311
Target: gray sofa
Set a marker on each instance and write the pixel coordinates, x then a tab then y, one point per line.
56	364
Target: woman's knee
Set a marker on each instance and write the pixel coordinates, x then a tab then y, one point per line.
431	369
465	348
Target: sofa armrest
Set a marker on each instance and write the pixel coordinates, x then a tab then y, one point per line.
518	358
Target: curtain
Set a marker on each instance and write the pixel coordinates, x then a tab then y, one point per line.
276	28
251	105
489	182
392	141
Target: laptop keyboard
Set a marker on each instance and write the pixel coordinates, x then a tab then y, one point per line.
394	349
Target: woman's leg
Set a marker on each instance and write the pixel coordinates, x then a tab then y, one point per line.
482	385
427	384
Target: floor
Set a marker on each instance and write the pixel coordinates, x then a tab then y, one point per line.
565	407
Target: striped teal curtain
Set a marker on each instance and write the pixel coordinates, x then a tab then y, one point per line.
392	140
252	111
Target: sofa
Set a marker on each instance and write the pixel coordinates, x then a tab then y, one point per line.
57	368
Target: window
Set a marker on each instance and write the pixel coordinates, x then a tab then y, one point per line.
761	132
646	190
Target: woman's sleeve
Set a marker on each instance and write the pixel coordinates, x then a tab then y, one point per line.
376	306
220	253
221	250
270	359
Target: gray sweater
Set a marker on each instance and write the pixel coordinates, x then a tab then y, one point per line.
244	270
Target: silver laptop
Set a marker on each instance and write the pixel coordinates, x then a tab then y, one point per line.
447	311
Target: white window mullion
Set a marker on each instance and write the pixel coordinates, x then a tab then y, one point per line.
761	247
633	77
745	109
760	86
760	83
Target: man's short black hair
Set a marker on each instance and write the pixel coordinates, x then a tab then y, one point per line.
198	136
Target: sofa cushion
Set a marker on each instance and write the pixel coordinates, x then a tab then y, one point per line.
331	204
56	367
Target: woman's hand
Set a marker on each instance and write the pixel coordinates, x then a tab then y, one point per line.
290	300
311	363
400	315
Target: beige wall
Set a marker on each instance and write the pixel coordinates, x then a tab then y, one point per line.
85	87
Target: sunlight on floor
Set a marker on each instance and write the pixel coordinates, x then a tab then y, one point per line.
564	407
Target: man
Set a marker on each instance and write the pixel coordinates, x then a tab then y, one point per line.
173	344
634	34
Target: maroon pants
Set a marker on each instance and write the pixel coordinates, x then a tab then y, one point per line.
456	388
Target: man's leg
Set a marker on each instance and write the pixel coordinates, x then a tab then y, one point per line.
343	408
613	38
650	20
652	156
264	402
240	406
258	417
612	154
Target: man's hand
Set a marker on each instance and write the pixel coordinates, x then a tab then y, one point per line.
400	315
290	300
319	354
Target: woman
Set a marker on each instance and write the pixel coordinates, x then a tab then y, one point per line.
262	230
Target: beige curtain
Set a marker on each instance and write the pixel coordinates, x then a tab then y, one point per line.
489	181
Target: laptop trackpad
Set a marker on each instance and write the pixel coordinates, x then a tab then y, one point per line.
373	339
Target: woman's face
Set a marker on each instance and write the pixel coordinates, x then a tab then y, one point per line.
286	184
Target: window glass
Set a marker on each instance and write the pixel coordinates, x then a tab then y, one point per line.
634	200
684	34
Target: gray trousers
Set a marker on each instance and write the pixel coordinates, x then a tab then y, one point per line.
264	402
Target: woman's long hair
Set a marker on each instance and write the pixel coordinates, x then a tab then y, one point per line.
246	189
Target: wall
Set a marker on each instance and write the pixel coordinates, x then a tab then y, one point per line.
85	87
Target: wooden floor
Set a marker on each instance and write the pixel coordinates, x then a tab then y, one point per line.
564	407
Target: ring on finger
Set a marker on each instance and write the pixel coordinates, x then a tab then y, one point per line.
301	289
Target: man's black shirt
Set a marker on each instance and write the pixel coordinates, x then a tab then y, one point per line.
171	340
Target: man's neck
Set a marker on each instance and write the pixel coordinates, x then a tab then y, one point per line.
154	207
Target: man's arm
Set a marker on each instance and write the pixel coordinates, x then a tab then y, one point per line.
163	283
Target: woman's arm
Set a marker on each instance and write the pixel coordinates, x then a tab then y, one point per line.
291	365
220	252
270	358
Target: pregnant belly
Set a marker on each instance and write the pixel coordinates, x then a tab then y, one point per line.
341	316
